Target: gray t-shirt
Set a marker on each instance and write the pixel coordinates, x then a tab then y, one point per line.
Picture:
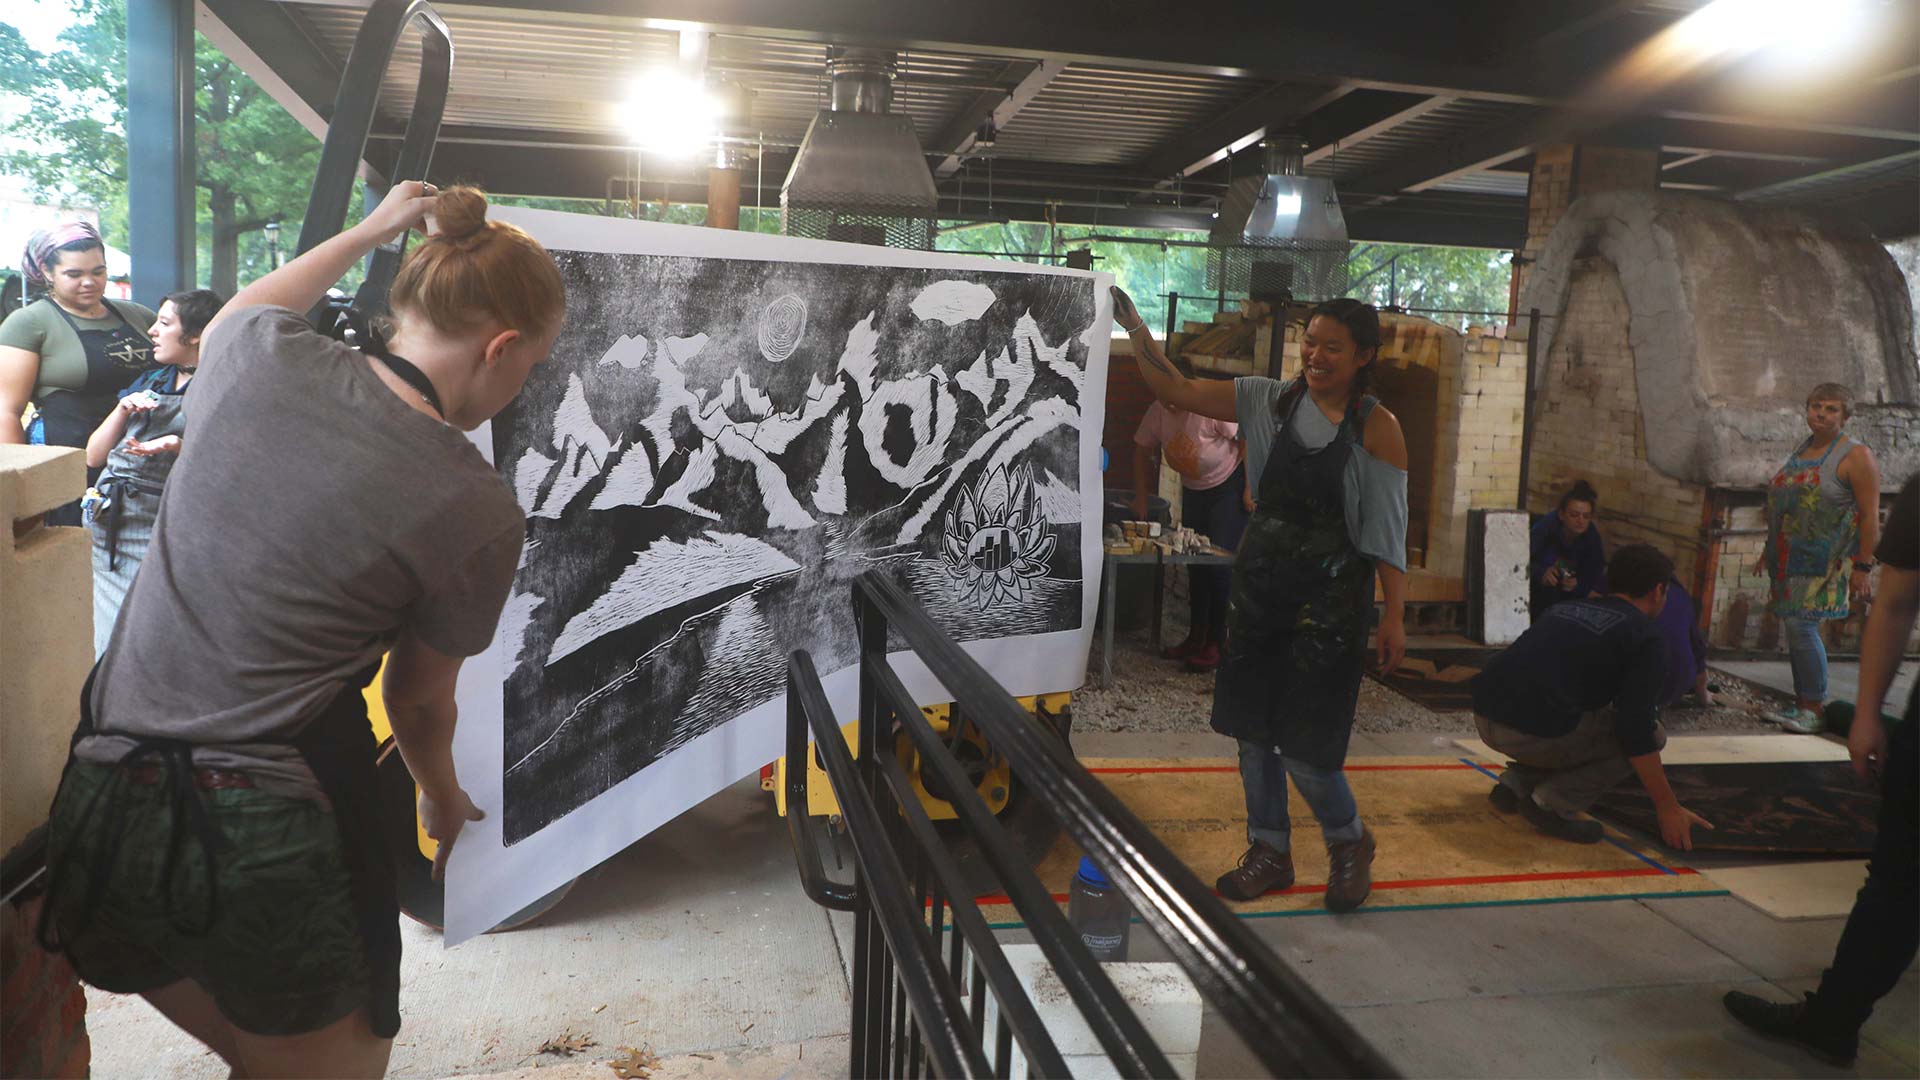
1376	492
311	518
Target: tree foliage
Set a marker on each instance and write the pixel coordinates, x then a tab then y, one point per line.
1452	279
253	163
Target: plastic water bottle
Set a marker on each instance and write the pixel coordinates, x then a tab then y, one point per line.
1099	913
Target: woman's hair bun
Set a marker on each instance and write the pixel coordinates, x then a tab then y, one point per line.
1581	491
459	212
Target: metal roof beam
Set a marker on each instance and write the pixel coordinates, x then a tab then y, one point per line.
1265	113
274	48
1329	142
1476	150
1783	191
1028	78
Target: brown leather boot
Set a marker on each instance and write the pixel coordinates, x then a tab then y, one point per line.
1349	872
1261	871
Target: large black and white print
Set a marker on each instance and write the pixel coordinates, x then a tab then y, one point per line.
718	446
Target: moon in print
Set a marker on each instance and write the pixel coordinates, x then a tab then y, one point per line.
782	326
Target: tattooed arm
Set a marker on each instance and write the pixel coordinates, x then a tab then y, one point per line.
1208	397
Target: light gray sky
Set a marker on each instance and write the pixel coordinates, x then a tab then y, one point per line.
39	20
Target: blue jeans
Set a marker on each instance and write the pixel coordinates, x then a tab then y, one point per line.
1264	772
1808	656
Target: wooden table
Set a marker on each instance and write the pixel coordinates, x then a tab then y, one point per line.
1159	558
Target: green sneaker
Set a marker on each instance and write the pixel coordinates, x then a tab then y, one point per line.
1797	720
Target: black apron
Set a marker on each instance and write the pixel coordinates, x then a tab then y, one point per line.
1300	603
338	745
67	417
128	474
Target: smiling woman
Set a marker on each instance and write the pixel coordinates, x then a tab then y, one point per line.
1329	467
70	353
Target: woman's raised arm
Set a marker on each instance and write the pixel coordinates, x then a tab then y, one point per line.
1207	397
301	283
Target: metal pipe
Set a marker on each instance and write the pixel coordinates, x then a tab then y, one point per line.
862	81
1526	407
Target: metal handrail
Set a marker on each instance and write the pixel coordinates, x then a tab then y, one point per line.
1280	1018
932	1000
352	122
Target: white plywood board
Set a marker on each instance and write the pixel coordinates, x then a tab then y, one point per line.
1797	889
1715	749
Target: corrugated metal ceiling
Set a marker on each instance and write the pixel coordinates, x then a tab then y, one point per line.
568	74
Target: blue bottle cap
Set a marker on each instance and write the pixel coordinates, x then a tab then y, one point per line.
1090	873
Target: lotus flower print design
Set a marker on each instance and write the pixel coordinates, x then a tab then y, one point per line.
997	538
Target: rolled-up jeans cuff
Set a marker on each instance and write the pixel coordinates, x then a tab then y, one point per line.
1277	839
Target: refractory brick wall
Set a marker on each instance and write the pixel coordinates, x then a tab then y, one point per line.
1588	427
1459	399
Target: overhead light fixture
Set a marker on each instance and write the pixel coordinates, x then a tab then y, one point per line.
671	113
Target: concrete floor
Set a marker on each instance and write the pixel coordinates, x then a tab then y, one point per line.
697	944
1843	679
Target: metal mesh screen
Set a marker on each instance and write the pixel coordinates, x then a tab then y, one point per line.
858	227
1305	270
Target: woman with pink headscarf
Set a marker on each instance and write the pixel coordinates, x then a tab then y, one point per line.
70	353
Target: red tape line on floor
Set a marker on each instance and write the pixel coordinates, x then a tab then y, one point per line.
1448	766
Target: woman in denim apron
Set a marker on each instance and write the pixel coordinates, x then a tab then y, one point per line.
1823	520
71	353
137	445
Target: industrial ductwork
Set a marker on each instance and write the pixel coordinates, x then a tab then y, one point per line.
860	175
1280	232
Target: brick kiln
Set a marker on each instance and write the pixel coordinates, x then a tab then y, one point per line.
1458	397
1681	336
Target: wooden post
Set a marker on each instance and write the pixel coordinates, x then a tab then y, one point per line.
723	198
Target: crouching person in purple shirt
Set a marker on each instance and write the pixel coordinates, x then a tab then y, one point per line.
1575	704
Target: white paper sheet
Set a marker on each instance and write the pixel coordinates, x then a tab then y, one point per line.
489	877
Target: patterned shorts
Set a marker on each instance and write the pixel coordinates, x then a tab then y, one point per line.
272	936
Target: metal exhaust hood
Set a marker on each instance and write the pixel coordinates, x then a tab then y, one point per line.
1280	231
860	174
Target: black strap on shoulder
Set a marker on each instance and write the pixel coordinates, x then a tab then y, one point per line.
1290	396
348	325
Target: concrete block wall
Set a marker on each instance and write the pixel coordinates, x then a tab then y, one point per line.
46	647
1587	425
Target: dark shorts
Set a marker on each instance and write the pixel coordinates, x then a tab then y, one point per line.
283	953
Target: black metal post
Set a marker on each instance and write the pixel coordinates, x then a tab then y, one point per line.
160	195
1173	314
352	122
1526	408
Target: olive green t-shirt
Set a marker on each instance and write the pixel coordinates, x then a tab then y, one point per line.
38	328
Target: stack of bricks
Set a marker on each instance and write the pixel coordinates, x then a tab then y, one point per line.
1587	427
1477	457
